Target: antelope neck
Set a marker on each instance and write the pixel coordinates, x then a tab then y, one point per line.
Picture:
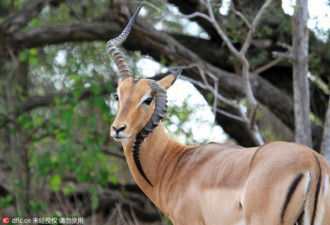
156	153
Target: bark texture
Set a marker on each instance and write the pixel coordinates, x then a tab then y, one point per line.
300	74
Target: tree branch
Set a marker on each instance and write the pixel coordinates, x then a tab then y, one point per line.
63	33
275	99
23	16
41	101
267	66
254	25
240	15
241	56
34	102
144	40
156	44
219	30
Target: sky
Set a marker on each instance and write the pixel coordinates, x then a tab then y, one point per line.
181	90
319	18
206	131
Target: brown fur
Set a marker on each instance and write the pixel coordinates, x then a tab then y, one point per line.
220	183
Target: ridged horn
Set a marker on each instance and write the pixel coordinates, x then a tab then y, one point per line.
160	96
117	56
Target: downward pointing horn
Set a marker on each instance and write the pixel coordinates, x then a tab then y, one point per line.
160	96
117	56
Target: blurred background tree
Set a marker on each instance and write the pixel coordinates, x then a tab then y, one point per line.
56	157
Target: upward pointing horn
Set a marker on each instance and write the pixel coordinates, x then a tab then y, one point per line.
117	56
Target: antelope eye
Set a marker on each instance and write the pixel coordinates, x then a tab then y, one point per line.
116	97
147	101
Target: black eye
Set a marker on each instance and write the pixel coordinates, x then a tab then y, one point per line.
147	101
116	97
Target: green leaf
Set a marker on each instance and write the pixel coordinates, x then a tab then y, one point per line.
96	89
62	137
163	61
68	189
137	53
67	116
58	213
33	51
55	182
57	100
33	21
24	56
77	92
17	3
159	12
33	61
113	179
94	197
6	201
37	206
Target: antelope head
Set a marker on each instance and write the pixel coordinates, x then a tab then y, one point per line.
141	102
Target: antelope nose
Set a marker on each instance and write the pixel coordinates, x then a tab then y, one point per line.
118	129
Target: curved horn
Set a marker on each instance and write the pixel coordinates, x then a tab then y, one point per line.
117	56
160	108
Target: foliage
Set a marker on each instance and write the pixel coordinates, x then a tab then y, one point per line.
177	122
67	138
58	145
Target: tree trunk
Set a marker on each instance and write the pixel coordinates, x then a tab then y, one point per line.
325	148
300	74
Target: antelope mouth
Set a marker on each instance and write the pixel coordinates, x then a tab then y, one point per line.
120	137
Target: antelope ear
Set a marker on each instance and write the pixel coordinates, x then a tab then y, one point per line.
169	80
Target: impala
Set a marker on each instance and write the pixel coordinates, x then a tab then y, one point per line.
276	183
